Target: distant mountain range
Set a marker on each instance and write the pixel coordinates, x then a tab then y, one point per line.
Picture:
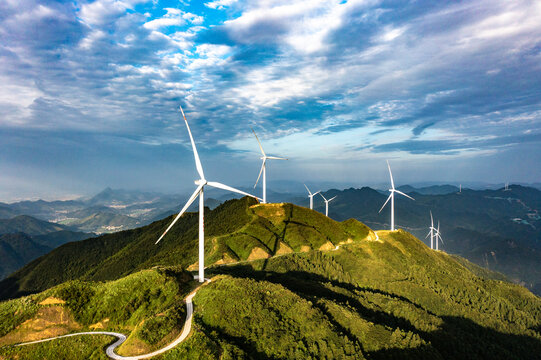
24	238
496	229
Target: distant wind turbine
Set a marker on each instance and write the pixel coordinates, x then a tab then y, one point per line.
431	232
311	196
391	197
327	204
263	168
506	187
201	183
438	236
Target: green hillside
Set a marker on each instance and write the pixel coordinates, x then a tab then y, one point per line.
236	230
391	298
28	225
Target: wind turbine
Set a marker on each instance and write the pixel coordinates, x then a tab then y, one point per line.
263	169
438	236
311	196
201	183
506	187
431	232
327	204
391	197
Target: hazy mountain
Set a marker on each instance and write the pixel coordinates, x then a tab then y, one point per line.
28	225
377	296
16	250
102	222
119	196
25	238
44	210
430	190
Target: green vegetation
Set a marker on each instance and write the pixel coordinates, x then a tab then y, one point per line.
391	298
14	312
234	231
375	299
148	304
71	348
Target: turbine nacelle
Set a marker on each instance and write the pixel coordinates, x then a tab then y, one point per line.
201	182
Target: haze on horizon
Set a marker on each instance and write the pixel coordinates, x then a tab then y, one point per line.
448	92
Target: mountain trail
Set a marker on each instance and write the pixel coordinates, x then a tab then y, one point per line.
110	350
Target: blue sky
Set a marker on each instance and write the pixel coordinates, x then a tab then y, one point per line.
447	91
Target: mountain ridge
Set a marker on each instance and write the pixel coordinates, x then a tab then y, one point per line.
385	296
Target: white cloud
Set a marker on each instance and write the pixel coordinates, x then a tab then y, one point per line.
173	17
94	36
220	4
101	11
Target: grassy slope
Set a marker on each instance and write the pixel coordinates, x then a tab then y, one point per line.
233	230
147	305
386	299
392	298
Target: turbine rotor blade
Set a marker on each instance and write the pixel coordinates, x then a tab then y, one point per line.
229	188
391	174
260	172
331	199
308	189
389	198
401	193
431	219
259	142
322	197
195	154
190	201
317	192
276	158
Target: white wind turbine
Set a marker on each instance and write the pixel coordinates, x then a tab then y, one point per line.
327	204
431	232
263	168
311	196
391	197
438	236
201	183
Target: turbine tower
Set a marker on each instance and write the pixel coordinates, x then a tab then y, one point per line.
391	197
431	232
201	183
327	204
506	187
438	236
263	169
311	196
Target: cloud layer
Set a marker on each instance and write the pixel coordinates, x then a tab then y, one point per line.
328	81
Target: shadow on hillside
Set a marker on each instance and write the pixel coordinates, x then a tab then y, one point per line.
9	289
457	337
217	334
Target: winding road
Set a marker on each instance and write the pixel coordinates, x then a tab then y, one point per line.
110	350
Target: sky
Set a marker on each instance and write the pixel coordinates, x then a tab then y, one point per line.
447	91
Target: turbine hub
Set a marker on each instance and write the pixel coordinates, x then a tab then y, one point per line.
200	182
